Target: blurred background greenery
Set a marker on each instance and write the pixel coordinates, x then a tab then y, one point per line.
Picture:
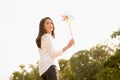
100	62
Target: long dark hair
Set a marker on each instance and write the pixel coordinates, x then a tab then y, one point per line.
42	31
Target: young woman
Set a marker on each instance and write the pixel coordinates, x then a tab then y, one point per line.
48	65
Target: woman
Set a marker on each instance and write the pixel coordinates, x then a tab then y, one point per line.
48	65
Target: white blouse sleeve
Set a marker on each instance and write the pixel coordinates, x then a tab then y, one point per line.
47	43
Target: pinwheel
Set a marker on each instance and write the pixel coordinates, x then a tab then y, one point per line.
67	18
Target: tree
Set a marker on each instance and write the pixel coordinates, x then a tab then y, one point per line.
65	72
23	74
111	68
115	34
83	65
87	63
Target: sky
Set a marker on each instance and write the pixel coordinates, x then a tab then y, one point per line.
94	21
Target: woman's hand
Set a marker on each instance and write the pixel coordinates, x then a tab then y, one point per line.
71	42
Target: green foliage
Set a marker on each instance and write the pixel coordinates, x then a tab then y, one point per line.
93	64
65	72
87	63
23	74
111	68
79	63
108	74
17	75
115	34
113	61
83	65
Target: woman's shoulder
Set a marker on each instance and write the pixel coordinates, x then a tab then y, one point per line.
46	36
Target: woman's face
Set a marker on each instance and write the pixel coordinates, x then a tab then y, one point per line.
48	26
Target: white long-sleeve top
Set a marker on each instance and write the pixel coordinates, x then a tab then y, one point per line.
48	53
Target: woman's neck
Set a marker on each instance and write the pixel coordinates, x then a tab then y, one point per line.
48	33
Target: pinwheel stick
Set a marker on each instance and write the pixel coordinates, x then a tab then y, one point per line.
70	30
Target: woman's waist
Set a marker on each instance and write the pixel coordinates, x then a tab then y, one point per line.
43	63
46	60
